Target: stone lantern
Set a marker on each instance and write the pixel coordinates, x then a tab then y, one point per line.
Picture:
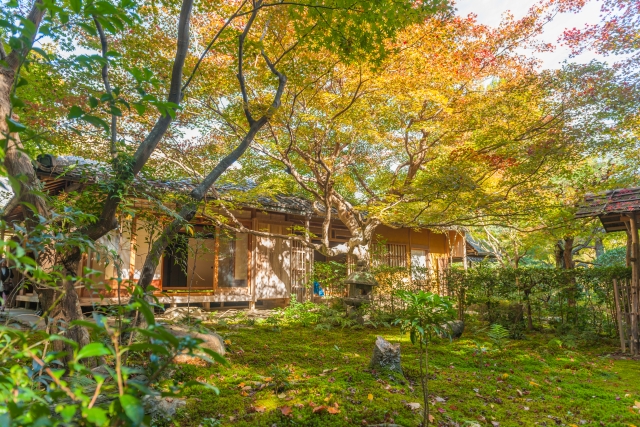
361	284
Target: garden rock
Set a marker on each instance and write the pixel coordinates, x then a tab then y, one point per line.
162	408
414	406
211	341
386	356
452	329
101	370
178	314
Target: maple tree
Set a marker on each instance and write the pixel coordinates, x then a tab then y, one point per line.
454	129
120	83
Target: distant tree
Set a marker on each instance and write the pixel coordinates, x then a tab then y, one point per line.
613	257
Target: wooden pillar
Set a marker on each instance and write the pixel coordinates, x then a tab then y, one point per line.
308	267
465	261
132	249
616	297
216	254
635	276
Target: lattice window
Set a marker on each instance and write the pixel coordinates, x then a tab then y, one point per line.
390	255
300	269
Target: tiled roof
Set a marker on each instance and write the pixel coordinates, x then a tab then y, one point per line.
610	207
82	170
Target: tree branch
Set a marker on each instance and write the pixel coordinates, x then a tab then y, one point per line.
354	98
240	75
17	56
107	220
198	194
107	88
226	24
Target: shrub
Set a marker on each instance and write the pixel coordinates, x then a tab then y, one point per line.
422	318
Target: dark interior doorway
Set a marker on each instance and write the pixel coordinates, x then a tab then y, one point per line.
174	266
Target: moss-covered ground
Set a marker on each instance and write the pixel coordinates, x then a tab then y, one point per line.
307	377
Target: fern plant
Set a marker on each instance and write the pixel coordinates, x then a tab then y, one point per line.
498	335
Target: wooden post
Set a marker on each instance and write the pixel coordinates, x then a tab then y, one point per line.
635	260
308	265
616	297
132	249
216	254
465	259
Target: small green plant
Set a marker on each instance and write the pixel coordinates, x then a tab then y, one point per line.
554	346
374	324
422	318
210	422
74	388
323	327
304	314
498	335
239	316
279	378
480	352
274	321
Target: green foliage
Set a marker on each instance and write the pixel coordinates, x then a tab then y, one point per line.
616	257
359	29
274	321
44	372
279	378
424	315
330	275
34	381
513	297
304	314
498	335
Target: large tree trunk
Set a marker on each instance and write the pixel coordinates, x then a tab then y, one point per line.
568	252
16	161
569	264
558	251
20	167
599	247
34	206
64	307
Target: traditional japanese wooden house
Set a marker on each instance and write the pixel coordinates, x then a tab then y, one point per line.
212	268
